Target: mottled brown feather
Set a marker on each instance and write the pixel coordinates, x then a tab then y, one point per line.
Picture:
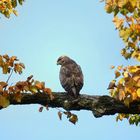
71	76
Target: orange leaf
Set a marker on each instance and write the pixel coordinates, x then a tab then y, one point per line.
13	58
47	90
6	57
119	67
112	67
3	84
117	74
39	85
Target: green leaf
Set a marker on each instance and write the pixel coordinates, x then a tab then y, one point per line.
20	2
33	89
125	34
14	3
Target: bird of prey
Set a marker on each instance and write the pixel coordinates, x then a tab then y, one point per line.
71	76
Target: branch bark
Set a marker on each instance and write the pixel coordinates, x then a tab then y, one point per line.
99	105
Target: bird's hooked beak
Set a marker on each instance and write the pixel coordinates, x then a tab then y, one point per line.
58	63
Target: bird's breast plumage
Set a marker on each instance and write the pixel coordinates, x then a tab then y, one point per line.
71	77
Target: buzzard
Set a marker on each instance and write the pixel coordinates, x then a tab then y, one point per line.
71	76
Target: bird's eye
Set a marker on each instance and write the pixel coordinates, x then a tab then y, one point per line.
59	59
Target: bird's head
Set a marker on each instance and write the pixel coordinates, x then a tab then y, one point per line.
62	60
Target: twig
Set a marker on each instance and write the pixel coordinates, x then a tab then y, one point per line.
10	76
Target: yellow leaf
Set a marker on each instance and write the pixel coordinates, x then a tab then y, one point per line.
121	94
134	95
127	101
112	84
120	117
125	33
121	81
4	102
132	69
33	89
133	2
73	118
126	74
15	12
120	67
138	92
118	22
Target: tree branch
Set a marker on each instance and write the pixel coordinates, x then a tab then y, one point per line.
99	105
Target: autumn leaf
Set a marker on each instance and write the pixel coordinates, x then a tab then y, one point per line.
73	118
120	117
40	109
17	68
15	12
47	107
68	113
29	78
39	85
121	94
47	90
33	89
3	84
118	22
127	101
17	97
117	74
120	67
6	57
112	67
138	92
1	61
5	69
60	115
125	34
4	102
22	65
112	84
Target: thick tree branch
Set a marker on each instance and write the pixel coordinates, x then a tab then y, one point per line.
99	105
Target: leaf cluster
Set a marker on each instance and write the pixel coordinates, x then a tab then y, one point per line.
126	85
10	63
7	7
127	22
31	86
72	117
126	88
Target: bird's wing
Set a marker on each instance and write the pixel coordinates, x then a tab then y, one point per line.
78	77
66	78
